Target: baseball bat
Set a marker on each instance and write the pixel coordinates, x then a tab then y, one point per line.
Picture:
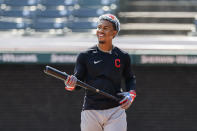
63	76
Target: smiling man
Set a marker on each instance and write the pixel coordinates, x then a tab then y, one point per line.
104	66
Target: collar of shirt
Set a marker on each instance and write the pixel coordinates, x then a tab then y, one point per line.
110	52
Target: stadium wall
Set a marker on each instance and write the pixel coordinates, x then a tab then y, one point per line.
32	101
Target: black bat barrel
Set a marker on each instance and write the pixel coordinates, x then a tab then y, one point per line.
56	73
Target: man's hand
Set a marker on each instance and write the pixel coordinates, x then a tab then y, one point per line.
70	83
128	99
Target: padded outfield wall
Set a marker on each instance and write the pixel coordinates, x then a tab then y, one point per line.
32	101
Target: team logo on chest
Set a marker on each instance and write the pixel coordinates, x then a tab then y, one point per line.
117	63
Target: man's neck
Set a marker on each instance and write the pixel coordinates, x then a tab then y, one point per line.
105	47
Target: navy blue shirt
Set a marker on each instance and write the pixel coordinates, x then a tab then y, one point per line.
104	71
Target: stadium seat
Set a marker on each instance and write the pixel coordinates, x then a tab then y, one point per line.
18	13
58	2
4	25
16	8
86	3
82	26
89	12
16	3
1	2
41	25
53	13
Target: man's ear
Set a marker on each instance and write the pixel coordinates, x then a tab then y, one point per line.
114	33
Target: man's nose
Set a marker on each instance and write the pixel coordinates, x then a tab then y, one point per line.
100	29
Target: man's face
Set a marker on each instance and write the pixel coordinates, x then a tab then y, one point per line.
105	31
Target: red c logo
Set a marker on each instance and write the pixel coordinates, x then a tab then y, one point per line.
117	63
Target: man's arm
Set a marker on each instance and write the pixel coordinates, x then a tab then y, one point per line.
130	83
130	79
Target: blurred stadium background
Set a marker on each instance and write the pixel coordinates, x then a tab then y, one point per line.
159	35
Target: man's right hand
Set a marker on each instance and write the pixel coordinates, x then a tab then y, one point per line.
70	83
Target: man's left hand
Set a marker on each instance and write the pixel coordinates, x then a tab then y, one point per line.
128	99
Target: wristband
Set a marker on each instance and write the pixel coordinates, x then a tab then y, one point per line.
69	88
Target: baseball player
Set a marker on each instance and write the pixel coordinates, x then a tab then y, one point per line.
104	66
